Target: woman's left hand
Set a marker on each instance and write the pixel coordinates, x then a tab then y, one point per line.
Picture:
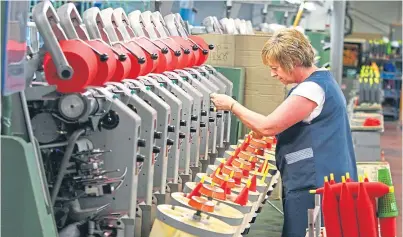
221	101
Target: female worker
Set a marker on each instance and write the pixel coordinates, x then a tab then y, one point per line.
311	126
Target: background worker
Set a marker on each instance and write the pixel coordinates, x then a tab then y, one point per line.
311	125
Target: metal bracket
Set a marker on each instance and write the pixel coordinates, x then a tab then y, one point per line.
121	21
134	20
159	24
47	22
95	24
145	18
71	22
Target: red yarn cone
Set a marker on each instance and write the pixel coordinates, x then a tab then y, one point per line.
348	213
253	184
225	187
262	167
365	212
373	201
330	212
243	196
220	166
195	191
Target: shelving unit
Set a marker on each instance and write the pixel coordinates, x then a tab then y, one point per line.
392	86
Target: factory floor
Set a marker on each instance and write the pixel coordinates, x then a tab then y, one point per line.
270	221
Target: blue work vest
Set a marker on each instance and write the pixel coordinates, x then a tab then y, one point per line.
307	152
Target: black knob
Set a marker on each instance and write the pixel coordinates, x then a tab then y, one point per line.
182	135
154	56
226	112
140	158
182	123
177	53
195	47
156	149
103	57
141	60
205	51
170	142
186	51
141	143
203	113
212	109
157	135
219	115
193	130
164	50
211	47
211	119
202	124
193	117
171	128
107	189
122	57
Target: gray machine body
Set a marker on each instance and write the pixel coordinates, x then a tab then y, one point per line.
196	136
173	136
148	126
220	114
209	120
227	115
163	117
122	157
215	116
179	162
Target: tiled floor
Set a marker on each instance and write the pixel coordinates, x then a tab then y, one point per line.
269	222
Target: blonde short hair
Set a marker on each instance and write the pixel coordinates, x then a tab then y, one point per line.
289	48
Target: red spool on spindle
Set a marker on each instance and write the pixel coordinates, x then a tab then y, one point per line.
348	213
136	53
365	213
170	58
204	49
176	49
106	69
83	61
158	64
186	46
331	212
123	66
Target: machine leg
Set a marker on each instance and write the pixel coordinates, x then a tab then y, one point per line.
205	164
174	187
186	178
195	171
161	198
226	147
146	220
221	151
212	157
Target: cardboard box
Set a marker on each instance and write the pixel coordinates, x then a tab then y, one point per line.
262	92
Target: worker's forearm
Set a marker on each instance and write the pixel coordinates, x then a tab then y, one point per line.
254	121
